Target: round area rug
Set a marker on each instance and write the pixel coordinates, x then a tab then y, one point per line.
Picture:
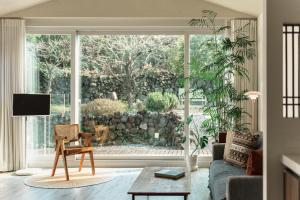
77	179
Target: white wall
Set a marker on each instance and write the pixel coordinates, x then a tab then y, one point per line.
283	135
262	87
124	8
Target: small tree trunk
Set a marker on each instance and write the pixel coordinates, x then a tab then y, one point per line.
128	85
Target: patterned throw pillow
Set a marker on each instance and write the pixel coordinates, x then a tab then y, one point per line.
229	138
241	145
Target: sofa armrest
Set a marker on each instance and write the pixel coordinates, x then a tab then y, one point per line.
244	187
218	151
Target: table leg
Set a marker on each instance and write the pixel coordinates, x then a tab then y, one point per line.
133	197
185	197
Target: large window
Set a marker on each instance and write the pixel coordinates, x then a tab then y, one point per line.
130	93
48	65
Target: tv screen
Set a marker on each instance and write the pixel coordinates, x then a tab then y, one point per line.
31	104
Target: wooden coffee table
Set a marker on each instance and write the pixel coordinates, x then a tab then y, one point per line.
148	185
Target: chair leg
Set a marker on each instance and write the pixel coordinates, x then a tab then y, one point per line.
66	166
81	161
55	163
92	162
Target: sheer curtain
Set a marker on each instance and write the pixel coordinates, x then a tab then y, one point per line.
249	28
12	130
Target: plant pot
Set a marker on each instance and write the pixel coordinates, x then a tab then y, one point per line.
194	162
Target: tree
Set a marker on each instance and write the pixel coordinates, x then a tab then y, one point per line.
53	57
127	56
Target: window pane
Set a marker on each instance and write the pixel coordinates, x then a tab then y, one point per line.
201	55
130	93
290	68
48	65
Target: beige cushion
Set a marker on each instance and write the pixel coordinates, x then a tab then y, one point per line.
229	138
241	145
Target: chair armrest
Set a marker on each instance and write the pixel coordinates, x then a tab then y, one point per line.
244	187
87	139
218	151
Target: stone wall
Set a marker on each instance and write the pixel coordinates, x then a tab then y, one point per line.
96	86
140	128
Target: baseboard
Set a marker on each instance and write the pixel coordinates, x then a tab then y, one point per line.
203	162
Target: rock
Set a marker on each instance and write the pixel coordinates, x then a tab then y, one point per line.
124	118
150	125
162	122
151	131
134	130
129	125
130	119
121	126
162	141
143	126
112	135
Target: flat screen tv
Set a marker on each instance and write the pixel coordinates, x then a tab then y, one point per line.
31	104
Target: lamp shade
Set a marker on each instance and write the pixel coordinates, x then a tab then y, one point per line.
253	95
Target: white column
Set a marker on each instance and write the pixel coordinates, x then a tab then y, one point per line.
186	97
75	69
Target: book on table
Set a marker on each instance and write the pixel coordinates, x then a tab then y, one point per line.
170	173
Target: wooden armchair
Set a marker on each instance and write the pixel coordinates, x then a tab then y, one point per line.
70	133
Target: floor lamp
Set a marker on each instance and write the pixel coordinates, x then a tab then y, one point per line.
253	96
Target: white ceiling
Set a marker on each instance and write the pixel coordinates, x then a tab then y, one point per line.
251	7
7	6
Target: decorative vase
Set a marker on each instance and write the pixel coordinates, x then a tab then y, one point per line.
194	162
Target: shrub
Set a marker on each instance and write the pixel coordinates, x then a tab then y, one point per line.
158	102
103	107
139	105
171	100
155	102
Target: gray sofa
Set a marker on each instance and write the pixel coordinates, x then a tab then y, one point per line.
229	182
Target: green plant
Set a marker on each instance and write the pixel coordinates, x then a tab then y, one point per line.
198	138
155	102
172	101
158	102
229	56
139	105
103	107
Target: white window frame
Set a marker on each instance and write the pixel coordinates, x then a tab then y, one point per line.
124	161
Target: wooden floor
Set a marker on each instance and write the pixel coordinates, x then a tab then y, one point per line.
12	188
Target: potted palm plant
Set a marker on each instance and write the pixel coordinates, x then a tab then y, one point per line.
199	140
229	57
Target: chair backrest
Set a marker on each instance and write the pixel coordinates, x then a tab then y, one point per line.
69	131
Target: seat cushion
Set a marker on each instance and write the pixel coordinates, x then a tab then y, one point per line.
219	171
